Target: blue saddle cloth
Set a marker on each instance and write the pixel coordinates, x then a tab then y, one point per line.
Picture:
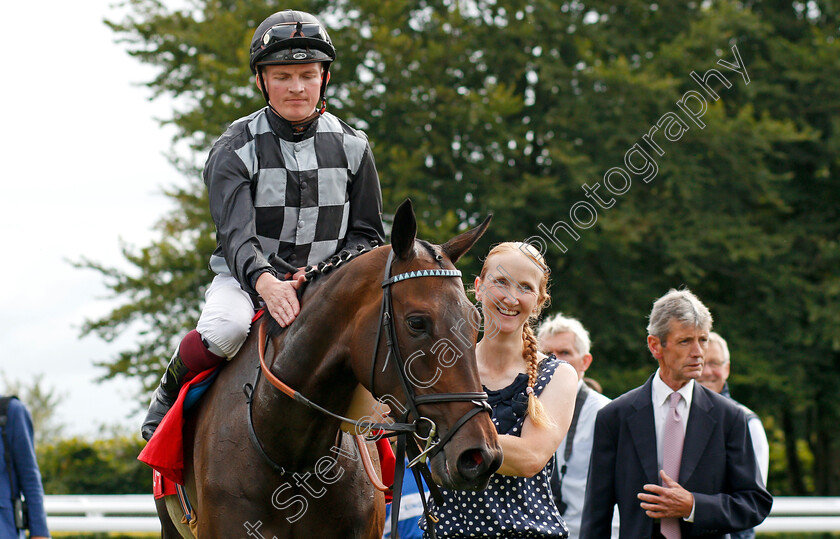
195	392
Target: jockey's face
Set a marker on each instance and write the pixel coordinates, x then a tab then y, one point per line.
293	90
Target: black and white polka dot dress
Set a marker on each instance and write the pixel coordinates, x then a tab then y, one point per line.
510	507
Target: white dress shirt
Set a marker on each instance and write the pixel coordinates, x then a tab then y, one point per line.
660	394
760	446
574	482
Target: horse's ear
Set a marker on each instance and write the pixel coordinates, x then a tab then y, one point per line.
459	245
404	230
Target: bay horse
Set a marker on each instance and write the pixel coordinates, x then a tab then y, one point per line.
319	489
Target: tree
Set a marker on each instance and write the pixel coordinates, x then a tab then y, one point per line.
107	466
41	402
522	108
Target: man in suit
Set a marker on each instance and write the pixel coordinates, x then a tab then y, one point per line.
717	488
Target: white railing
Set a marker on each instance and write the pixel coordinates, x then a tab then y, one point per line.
805	514
136	513
102	513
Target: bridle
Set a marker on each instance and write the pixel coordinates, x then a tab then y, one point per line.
386	316
433	444
428	437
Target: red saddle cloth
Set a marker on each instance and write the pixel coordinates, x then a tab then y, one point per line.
161	486
165	451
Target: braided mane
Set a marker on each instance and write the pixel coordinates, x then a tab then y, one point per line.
318	273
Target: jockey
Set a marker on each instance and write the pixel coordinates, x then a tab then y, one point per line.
290	180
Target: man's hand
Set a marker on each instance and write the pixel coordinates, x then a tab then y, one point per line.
300	272
280	297
667	501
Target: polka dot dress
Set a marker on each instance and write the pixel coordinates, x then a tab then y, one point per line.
510	507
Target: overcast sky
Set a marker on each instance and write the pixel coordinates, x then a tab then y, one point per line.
83	168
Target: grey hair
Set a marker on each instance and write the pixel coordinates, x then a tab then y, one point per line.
679	305
560	324
715	338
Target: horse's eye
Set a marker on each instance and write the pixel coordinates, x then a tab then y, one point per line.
416	323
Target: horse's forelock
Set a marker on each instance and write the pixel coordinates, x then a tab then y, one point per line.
433	252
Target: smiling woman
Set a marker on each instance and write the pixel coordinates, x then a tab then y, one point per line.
532	397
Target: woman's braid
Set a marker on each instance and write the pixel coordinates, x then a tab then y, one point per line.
529	353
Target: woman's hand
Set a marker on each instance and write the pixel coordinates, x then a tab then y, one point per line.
527	454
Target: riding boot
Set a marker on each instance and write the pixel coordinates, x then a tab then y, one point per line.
165	395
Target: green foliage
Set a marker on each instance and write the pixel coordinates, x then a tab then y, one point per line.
164	293
512	107
80	466
104	535
41	402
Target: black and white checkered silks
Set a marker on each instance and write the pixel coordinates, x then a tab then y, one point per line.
302	196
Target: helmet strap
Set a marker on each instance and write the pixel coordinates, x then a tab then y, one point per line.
323	107
265	91
262	85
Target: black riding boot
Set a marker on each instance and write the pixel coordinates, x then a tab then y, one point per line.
165	395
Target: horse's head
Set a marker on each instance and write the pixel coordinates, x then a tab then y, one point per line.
435	328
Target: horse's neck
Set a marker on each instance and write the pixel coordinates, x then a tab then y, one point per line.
312	361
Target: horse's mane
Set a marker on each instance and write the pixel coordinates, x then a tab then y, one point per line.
317	275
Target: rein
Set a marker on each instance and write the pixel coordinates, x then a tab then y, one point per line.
429	437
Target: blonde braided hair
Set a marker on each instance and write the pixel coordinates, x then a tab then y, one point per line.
529	341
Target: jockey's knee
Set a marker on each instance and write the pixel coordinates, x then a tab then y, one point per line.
226	318
225	335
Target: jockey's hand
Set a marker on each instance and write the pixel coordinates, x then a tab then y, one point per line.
280	297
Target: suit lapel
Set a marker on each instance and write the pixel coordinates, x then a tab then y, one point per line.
643	431
697	434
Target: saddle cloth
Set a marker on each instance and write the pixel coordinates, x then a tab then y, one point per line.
165	451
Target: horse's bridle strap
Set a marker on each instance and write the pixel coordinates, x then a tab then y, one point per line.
479	399
364	426
421	273
434	398
433	446
276	382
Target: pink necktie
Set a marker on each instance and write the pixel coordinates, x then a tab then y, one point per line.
672	446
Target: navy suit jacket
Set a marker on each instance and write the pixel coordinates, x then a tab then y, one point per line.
718	467
28	477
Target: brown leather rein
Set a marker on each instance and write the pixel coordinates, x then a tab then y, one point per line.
361	445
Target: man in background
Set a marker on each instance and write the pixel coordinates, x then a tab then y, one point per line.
715	376
568	340
19	474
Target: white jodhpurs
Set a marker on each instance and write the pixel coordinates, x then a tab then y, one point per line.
226	318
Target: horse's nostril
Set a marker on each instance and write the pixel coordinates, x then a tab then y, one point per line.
471	462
